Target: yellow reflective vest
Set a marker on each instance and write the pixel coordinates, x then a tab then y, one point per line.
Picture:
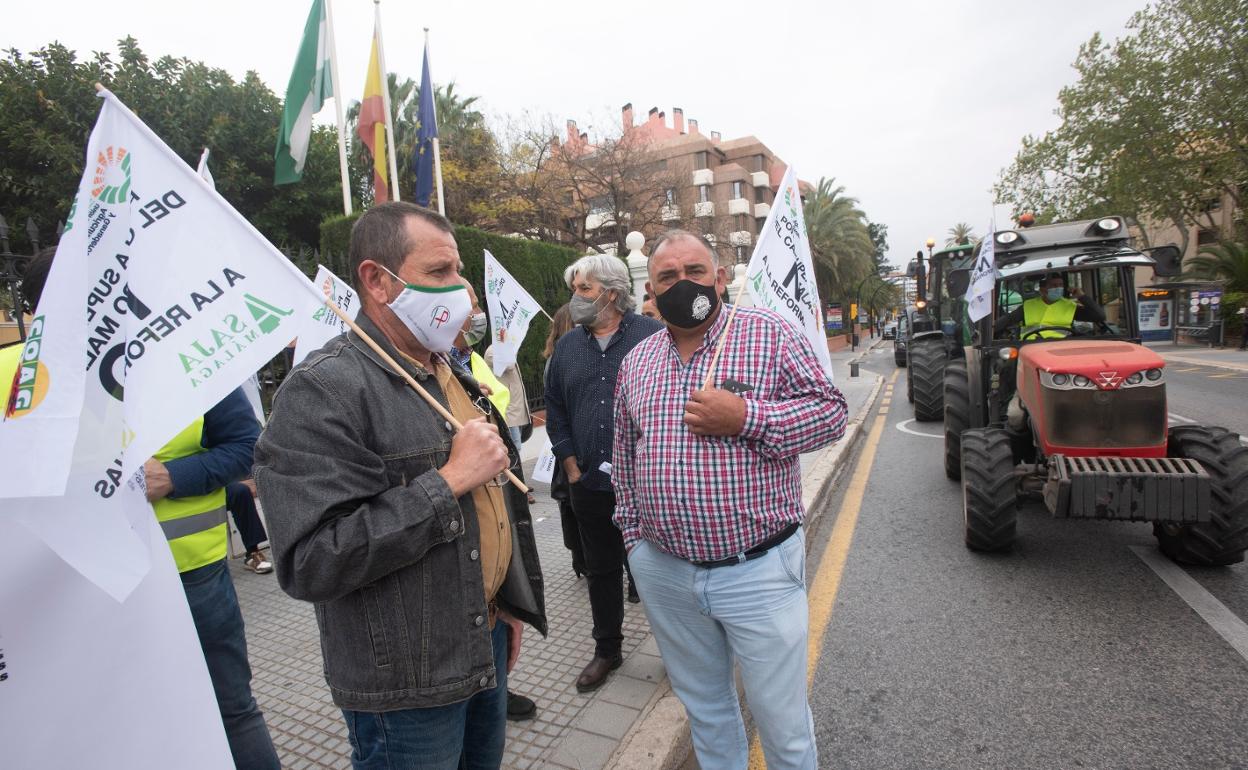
10	357
500	396
194	526
1037	312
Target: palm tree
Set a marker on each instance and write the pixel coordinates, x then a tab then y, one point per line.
839	240
1222	261
959	234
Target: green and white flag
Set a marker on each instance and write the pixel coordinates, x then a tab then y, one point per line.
310	85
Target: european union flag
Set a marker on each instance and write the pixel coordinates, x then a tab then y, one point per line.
427	131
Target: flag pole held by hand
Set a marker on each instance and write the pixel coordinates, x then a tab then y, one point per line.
709	382
433	402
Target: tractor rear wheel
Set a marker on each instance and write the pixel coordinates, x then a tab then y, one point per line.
989	489
926	373
957	415
1222	540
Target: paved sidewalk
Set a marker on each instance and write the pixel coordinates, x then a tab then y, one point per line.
1222	358
571	730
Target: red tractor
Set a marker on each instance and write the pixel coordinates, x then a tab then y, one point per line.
1058	400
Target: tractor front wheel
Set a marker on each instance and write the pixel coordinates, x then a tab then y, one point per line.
1223	539
989	489
957	415
927	373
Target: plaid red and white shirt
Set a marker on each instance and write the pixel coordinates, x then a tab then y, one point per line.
705	498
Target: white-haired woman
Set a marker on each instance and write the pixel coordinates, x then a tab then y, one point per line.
580	399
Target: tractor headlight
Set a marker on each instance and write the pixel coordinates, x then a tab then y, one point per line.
1146	378
1058	380
1082	382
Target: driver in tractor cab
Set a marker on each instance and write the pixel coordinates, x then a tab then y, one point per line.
1052	309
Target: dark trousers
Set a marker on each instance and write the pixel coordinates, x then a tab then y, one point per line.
572	536
603	548
242	506
219	623
468	735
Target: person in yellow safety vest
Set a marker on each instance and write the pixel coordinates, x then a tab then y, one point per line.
1052	309
519	707
186	482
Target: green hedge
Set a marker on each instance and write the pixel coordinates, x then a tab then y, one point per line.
536	265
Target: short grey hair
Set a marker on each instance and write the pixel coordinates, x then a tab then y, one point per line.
607	270
676	234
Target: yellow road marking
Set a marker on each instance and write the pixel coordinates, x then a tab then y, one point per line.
1190	369
888	399
894	377
883	410
822	593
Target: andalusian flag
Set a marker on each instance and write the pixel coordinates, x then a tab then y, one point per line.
372	124
310	85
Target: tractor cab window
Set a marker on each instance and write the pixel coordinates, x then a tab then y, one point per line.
1109	297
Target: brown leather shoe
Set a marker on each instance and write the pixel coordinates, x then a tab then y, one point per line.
596	673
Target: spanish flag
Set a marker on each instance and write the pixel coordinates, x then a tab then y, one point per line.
372	123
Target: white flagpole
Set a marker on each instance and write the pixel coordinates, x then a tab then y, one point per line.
437	152
385	101
342	131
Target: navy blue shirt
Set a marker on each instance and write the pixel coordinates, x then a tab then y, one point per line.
230	432
580	395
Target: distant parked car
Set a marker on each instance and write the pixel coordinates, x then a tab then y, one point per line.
890	331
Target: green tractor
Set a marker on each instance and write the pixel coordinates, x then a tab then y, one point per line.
935	331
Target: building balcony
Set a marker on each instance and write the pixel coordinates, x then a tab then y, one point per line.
704	209
761	210
760	179
595	221
669	213
740	238
703	176
710	238
738	206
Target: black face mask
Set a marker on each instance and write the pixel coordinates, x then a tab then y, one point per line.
687	304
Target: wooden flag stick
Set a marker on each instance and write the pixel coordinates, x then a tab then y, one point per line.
719	348
433	402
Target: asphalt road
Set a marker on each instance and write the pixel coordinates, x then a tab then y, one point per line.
1068	652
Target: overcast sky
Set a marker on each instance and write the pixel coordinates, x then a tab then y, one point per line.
913	106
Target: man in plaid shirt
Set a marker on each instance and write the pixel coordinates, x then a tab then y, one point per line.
709	501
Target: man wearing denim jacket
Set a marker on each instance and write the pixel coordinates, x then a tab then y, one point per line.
420	564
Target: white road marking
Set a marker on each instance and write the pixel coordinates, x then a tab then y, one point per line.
901	426
1215	613
1180	418
540	519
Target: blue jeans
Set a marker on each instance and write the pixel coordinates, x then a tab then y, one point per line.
754	612
219	624
469	734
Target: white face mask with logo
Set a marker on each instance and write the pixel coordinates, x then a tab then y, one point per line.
433	314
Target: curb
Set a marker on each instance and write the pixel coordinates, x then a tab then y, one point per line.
1194	361
660	738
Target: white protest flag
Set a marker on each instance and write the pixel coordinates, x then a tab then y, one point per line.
322	324
983	279
203	169
251	386
544	469
511	309
178	300
781	276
